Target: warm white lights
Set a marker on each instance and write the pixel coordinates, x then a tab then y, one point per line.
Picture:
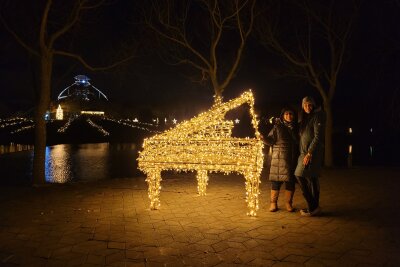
97	127
59	113
133	124
23	124
66	125
88	112
204	144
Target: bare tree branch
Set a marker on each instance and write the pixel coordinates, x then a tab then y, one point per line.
17	38
322	74
46	54
75	15
244	34
88	66
43	27
191	47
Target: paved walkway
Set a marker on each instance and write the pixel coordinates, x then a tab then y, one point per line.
108	223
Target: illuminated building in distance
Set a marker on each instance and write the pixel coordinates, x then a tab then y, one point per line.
80	98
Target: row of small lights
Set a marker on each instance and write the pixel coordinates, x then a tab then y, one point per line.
122	122
174	121
66	125
13	122
350	150
16	121
350	131
24	128
97	127
135	120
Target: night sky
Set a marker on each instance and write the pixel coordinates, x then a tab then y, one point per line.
367	92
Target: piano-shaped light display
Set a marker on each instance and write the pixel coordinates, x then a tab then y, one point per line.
205	144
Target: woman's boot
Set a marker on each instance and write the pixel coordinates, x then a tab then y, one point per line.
289	200
274	200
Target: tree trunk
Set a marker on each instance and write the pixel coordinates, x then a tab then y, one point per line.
217	92
42	104
328	134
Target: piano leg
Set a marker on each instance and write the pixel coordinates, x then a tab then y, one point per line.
202	182
154	181
252	192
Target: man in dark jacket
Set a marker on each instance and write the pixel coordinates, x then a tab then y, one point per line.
312	126
284	141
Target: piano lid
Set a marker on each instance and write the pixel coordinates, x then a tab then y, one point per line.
212	123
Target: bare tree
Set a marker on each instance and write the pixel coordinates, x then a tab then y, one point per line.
208	35
50	30
312	37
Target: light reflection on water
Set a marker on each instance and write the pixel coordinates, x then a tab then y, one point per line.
58	164
88	162
73	162
12	147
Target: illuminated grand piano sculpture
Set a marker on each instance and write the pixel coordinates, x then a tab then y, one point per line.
204	144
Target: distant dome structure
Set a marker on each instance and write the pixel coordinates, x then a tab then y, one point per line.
82	89
82	97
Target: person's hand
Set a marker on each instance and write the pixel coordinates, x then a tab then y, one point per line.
307	159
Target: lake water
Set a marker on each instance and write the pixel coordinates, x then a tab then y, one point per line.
89	162
73	163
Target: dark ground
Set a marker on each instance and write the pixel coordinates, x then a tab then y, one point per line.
108	223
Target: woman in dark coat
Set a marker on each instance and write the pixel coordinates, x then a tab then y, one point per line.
284	141
312	125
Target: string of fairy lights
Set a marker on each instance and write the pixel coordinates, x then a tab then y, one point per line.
97	127
135	120
204	144
17	121
133	124
21	124
63	128
23	128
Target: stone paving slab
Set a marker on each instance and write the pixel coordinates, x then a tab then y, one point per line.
108	223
